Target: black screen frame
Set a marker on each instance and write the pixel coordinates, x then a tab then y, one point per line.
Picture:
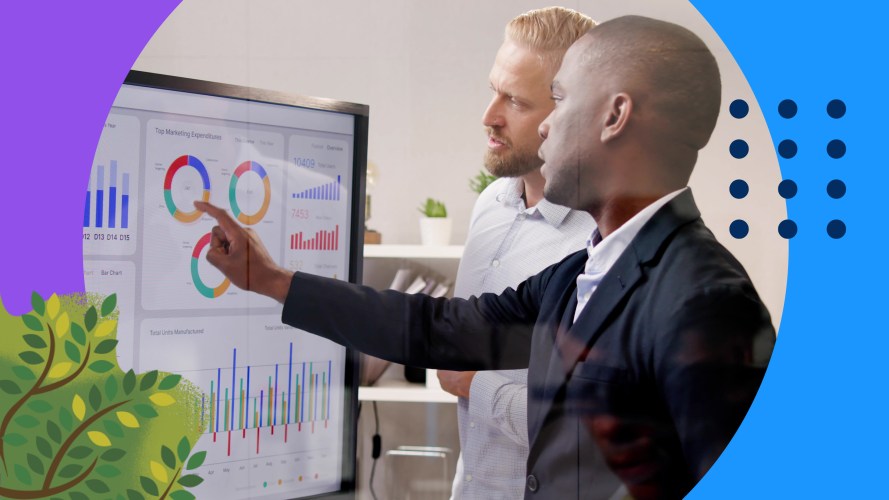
361	113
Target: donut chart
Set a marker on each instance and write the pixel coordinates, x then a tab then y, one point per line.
203	289
178	163
244	218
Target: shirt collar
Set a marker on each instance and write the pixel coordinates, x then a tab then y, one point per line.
511	196
603	253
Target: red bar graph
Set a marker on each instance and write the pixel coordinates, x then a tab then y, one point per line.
321	240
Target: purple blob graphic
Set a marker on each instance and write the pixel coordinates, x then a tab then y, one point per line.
64	66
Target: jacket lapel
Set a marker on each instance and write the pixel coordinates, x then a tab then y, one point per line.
569	342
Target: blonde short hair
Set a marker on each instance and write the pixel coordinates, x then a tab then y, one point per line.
550	31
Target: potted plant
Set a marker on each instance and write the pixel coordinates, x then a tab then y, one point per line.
481	181
435	226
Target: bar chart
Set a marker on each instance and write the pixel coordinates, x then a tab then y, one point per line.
105	208
326	192
321	240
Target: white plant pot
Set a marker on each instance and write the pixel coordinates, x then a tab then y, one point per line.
435	231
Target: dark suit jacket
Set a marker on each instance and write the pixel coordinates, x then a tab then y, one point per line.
674	341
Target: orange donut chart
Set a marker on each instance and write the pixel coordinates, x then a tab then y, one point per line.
182	161
249	166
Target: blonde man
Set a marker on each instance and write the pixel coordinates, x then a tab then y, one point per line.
514	234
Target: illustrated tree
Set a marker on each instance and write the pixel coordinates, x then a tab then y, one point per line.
74	425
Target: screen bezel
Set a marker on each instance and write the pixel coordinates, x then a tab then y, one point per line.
360	112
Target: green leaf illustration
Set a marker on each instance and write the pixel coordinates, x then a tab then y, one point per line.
109	304
145	411
76	495
113	428
135	495
181	495
183	448
66	418
10	387
113	455
148	485
31	357
97	485
22	474
196	460
23	372
14	439
35	341
70	471
148	380
191	480
33	323
105	346
168	457
38	304
169	382
53	431
78	334
90	318
101	366
26	421
79	452
111	386
39	406
72	351
108	471
95	398
43	447
36	464
129	382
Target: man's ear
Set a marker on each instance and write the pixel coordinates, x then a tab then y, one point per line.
619	110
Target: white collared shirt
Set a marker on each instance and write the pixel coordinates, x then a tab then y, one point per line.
507	243
603	255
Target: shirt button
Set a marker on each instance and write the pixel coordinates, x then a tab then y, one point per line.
495	263
521	217
472	424
532	483
468	477
500	197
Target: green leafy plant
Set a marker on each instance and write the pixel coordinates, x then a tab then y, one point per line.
481	180
433	208
74	424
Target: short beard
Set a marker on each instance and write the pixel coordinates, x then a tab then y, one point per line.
514	162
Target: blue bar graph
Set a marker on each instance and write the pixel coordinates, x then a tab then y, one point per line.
325	192
113	212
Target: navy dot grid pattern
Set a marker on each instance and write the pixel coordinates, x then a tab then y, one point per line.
788	149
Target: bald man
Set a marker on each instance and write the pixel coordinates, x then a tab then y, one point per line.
646	349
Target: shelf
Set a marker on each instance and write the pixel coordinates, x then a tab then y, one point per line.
401	391
413	251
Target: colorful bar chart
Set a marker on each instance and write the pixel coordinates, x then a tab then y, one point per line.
109	218
304	402
322	240
327	192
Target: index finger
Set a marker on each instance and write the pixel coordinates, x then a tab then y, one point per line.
225	220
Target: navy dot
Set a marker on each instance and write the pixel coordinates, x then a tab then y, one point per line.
739	108
836	148
787	189
787	148
836	229
836	108
787	108
787	229
739	148
739	229
836	189
739	189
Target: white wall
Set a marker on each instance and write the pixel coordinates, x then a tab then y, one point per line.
422	67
